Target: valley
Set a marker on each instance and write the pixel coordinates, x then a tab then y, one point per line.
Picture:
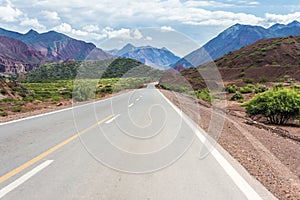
248	76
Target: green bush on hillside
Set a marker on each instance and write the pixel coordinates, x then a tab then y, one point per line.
231	88
237	97
204	95
278	105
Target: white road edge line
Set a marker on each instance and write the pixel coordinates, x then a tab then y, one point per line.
24	178
240	182
58	111
130	105
112	119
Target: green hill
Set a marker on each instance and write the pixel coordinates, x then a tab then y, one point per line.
110	68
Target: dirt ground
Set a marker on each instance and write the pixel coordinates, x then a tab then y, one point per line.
270	158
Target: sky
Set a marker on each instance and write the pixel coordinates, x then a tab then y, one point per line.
179	25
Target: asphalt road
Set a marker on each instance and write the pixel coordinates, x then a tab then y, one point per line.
132	146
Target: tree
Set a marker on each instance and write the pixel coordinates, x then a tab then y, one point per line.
278	105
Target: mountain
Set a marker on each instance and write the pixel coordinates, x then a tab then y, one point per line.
126	49
154	57
233	39
58	47
18	57
290	29
267	60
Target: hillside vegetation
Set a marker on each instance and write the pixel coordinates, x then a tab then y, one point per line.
284	51
255	71
270	60
110	68
63	83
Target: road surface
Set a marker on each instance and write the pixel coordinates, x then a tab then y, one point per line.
133	146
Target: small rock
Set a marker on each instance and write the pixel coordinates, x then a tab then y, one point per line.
59	104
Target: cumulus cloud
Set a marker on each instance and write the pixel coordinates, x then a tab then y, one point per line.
32	23
283	19
50	15
91	28
210	4
254	3
166	29
126	34
77	33
9	14
87	20
67	28
117	13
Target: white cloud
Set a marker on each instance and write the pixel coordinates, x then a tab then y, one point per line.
63	27
210	4
166	29
91	28
77	33
150	13
283	19
254	3
137	34
67	28
50	15
87	20
32	23
123	33
9	14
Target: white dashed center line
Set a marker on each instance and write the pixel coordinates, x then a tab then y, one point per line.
112	119
130	105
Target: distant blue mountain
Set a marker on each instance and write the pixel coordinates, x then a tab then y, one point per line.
233	39
154	57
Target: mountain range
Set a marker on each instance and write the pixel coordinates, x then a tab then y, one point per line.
151	56
23	52
234	38
31	49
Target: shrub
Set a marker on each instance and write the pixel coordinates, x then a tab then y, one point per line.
17	108
260	89
277	105
3	114
242	74
245	90
286	76
204	95
3	91
248	80
263	80
237	97
259	60
231	88
277	80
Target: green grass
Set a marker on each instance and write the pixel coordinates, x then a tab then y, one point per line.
81	90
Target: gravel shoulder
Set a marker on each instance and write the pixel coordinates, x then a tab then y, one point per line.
270	158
